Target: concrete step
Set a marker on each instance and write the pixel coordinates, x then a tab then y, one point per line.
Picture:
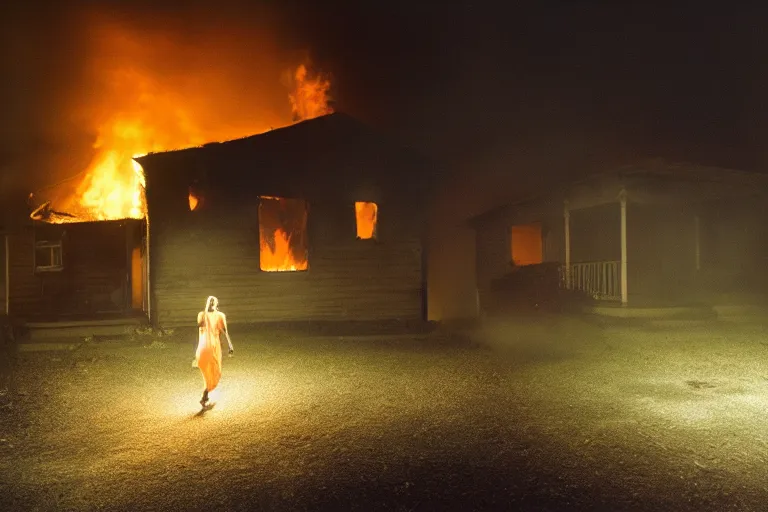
69	330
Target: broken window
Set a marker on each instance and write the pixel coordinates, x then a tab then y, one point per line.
48	256
526	244
367	217
283	234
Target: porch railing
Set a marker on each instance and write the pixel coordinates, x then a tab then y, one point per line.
598	279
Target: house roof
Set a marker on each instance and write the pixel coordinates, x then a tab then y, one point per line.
314	149
297	148
658	171
337	127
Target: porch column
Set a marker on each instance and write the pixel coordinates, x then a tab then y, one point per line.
567	221
697	241
623	203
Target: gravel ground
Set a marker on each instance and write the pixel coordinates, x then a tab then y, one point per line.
546	413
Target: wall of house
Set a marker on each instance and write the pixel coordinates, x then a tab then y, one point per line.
2	274
734	246
24	287
661	248
93	280
494	242
215	251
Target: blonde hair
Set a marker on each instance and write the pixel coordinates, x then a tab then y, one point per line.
211	303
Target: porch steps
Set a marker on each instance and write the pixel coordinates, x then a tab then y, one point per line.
80	329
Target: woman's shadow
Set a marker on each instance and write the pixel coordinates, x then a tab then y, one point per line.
205	409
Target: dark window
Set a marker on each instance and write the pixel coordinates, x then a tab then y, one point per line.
48	256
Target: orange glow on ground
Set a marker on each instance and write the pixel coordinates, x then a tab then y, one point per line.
367	218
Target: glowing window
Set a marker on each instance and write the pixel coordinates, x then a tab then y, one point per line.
194	200
526	244
367	218
282	234
196	197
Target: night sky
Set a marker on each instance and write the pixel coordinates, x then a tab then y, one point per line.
458	82
668	81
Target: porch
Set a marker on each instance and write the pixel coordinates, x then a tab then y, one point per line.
678	238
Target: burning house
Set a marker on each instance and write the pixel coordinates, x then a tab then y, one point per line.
82	256
320	221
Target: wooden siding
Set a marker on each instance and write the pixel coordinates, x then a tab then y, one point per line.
93	281
2	274
330	162
196	254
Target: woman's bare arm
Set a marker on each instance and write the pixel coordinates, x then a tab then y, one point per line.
226	332
200	319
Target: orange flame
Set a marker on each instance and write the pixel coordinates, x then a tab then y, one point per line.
279	252
193	200
366	214
138	107
278	257
309	98
111	190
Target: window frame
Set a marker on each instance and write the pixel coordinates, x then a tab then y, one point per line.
307	208
52	245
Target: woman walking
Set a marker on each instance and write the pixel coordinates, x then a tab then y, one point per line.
211	323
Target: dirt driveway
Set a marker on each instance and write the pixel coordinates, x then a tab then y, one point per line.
550	413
